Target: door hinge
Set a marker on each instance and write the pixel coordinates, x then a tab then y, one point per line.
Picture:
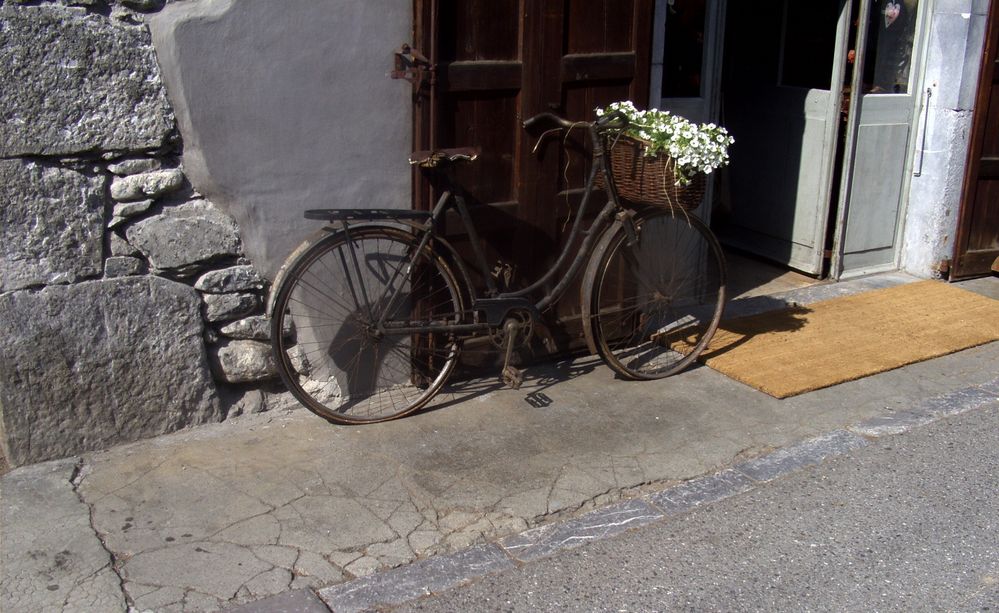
412	66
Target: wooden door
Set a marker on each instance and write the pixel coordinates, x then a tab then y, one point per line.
498	62
783	73
977	245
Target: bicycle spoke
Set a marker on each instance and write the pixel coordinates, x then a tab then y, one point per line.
658	301
358	371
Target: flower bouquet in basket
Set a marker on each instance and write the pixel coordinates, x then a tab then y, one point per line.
662	159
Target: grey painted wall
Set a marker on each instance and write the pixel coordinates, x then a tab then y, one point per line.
953	60
286	106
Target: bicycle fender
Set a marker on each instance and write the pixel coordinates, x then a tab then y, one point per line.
289	261
294	256
454	261
589	278
452	257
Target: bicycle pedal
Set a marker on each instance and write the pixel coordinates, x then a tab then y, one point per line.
512	377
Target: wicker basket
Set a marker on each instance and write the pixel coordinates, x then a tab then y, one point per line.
644	180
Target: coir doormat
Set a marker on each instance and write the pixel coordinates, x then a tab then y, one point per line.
804	348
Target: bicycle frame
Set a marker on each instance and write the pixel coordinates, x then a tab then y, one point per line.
497	304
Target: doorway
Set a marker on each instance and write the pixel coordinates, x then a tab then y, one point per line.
821	110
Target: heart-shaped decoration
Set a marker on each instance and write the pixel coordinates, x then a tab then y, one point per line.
892	10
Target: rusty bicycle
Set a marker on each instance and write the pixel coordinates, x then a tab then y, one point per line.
368	317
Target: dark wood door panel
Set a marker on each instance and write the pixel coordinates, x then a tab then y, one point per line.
477	30
583	67
482	75
500	62
977	244
487	120
599	26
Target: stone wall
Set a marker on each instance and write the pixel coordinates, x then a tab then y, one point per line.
129	308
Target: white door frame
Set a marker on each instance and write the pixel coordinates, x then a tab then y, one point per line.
709	101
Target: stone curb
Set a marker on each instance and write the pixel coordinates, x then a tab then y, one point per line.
802	455
422	578
432	575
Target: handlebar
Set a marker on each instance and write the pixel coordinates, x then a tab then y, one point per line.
552	117
615	120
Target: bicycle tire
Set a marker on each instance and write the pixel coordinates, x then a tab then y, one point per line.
655	303
328	352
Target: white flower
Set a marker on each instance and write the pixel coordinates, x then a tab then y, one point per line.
695	148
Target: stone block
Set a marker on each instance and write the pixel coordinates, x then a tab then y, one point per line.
425	577
144	6
51	224
223	307
185	234
120	246
147	185
807	453
599	524
123	266
257	328
76	82
98	363
123	211
242	402
243	361
134	166
703	490
232	279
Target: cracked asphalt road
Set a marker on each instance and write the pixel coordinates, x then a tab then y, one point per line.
907	523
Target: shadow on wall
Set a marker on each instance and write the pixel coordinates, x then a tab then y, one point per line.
287	106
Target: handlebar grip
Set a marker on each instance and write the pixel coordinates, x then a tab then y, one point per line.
533	121
615	120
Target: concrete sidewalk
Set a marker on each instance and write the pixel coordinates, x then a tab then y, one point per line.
266	504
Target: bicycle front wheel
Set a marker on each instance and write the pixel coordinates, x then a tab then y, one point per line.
655	301
332	321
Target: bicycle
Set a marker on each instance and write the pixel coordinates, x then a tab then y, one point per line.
368	316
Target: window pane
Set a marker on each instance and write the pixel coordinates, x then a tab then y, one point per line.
809	44
890	34
684	53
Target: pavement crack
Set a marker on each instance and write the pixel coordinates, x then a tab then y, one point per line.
76	480
230	481
293	571
551	490
130	482
78	582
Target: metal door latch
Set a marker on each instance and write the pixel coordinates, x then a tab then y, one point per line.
412	65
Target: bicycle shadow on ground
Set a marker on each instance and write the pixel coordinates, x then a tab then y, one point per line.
538	378
752	317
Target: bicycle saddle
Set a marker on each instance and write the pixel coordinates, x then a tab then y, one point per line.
433	159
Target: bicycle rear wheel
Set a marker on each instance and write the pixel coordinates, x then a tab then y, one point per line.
655	304
329	350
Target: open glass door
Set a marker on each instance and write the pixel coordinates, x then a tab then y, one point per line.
878	152
784	64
